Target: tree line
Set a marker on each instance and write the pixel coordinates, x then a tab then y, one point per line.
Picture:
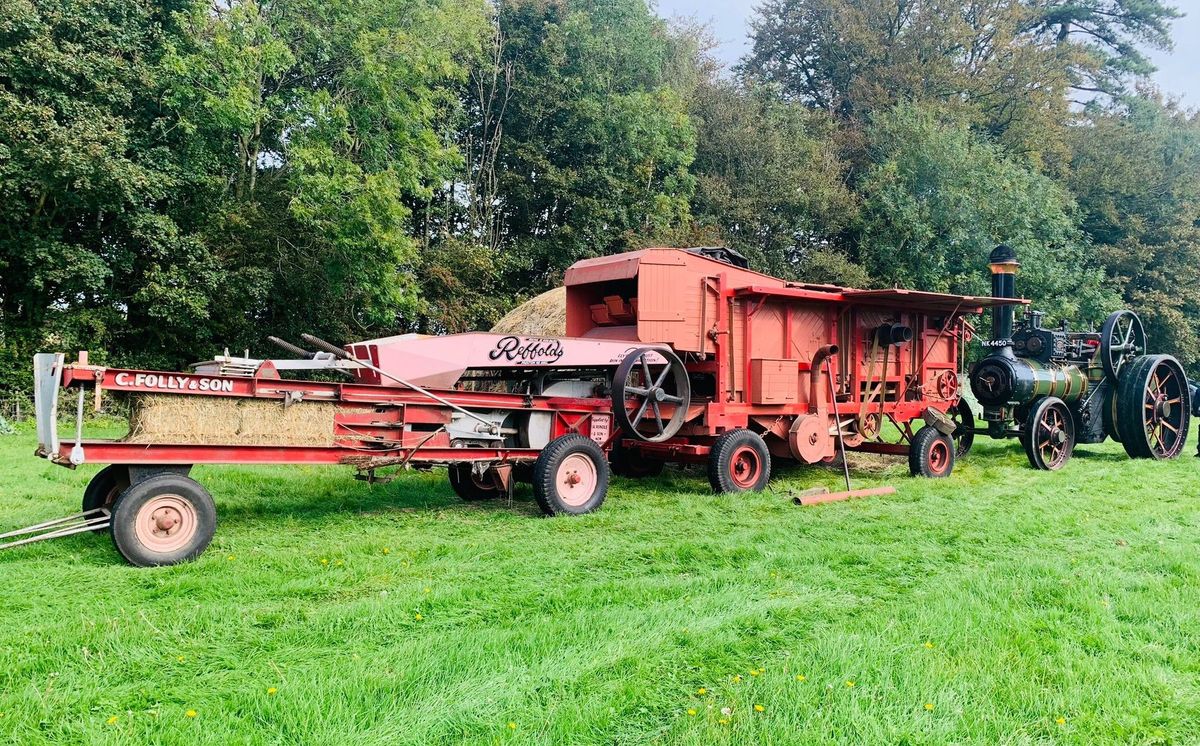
180	176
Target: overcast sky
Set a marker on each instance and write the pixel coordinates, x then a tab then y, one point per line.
1178	71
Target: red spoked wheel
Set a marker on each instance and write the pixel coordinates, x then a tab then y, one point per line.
931	454
1049	437
739	462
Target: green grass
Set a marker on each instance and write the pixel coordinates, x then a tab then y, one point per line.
1003	598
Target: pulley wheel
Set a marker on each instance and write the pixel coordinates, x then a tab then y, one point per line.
650	399
1153	408
1122	339
1049	434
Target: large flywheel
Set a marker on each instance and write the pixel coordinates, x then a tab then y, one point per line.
651	393
1122	339
1153	407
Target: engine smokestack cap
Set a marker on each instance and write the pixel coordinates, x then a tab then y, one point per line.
1003	254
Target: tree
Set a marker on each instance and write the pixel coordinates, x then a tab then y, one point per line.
92	180
938	198
597	143
1135	171
769	178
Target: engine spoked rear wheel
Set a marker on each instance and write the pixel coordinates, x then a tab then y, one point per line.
641	388
1153	409
1049	434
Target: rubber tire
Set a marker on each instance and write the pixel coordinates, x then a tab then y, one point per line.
920	452
463	484
545	469
720	460
633	464
126	508
105	488
961	449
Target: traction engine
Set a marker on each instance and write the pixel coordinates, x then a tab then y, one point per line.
1054	388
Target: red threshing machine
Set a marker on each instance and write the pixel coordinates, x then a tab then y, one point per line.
670	356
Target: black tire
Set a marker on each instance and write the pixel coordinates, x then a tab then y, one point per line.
105	488
739	462
931	454
1150	429
553	492
464	484
964	431
1049	434
633	464
183	495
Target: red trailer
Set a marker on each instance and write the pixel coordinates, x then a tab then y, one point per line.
670	355
776	369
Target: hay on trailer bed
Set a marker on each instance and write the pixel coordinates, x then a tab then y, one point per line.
219	420
543	316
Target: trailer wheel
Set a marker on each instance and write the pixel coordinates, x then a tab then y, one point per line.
570	477
632	463
105	488
467	486
739	462
163	520
931	454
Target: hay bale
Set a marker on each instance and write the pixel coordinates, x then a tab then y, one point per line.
219	420
543	316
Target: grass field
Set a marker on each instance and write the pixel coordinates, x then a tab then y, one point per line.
999	606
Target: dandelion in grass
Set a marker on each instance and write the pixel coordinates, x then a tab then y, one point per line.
724	721
701	691
113	720
231	558
755	672
190	713
737	678
801	677
180	658
928	645
418	617
512	725
692	711
272	691
324	561
759	708
427	590
1061	721
387	550
929	706
339	563
849	684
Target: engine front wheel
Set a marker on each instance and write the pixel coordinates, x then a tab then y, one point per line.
1049	437
163	520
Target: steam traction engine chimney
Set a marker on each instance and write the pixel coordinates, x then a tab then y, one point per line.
1004	265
